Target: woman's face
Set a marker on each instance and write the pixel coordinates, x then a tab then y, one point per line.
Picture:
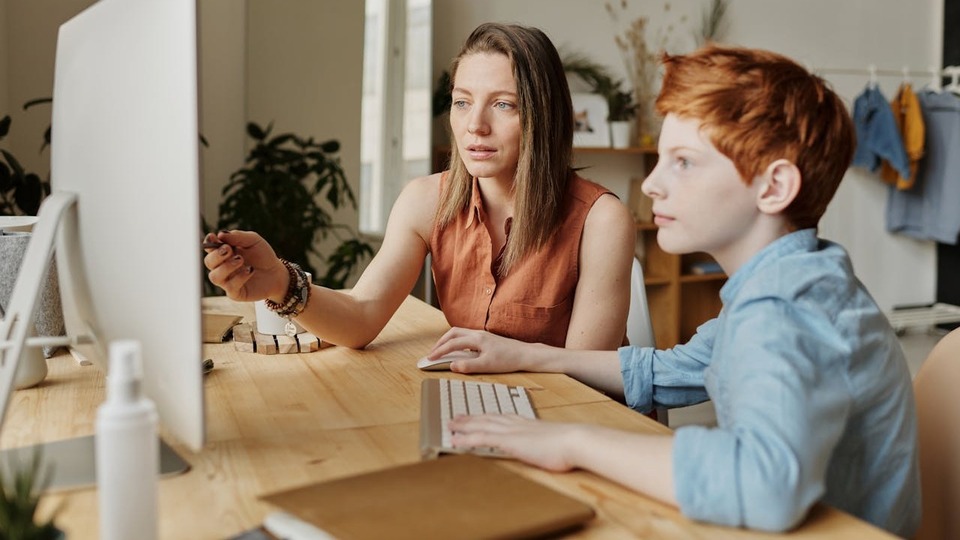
485	115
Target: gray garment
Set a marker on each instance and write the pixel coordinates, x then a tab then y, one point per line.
931	210
48	313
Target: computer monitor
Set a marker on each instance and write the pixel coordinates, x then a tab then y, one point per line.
125	206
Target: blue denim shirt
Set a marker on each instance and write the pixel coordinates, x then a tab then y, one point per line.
813	397
878	136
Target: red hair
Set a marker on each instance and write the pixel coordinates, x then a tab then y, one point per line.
757	107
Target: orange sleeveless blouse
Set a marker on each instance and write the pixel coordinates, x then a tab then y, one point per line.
534	301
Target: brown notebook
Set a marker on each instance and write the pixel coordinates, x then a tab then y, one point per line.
217	327
459	496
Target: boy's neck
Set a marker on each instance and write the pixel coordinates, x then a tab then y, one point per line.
764	232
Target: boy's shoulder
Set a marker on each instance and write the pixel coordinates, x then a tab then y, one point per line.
817	270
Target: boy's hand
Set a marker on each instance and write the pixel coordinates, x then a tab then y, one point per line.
539	443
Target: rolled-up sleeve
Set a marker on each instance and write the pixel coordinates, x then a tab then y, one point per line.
669	378
782	394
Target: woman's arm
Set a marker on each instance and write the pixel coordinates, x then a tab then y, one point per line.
602	297
249	270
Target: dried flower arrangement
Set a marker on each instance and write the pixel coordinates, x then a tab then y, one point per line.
640	61
713	24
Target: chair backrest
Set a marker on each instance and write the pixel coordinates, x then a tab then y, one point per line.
937	389
639	327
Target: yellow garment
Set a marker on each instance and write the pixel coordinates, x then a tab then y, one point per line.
909	118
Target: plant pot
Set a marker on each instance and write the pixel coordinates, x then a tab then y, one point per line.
48	314
620	131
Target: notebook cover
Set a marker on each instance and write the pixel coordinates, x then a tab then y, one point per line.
458	496
217	326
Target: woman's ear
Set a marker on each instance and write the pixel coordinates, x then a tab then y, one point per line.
780	186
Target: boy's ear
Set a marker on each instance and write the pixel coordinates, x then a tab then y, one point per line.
781	185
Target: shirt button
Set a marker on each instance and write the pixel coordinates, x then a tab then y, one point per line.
486	291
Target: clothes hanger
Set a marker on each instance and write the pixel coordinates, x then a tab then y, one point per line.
954	73
936	80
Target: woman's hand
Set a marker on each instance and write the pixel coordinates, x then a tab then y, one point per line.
245	267
543	444
495	354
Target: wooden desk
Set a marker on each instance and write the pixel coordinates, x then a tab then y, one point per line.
279	421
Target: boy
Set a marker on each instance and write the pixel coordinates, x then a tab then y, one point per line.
813	397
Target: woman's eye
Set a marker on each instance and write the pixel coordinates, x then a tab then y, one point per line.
503	105
459	104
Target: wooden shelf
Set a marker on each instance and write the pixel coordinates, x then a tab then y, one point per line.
691	278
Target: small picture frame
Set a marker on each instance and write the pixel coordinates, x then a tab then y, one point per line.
590	126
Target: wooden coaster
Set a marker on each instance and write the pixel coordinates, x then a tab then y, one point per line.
247	339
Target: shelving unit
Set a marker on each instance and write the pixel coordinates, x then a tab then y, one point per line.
679	300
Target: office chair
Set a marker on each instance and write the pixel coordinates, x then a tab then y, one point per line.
938	413
639	326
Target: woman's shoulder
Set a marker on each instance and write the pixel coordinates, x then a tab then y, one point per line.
423	185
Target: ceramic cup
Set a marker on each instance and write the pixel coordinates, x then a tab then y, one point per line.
269	322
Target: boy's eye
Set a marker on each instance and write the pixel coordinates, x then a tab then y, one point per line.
683	163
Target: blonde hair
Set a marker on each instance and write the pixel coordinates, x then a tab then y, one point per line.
546	142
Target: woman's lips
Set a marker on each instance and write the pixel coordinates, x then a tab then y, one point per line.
481	152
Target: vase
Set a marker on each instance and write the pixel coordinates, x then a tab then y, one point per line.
620	133
48	315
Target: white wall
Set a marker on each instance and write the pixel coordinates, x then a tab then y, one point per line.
304	65
222	78
819	33
294	62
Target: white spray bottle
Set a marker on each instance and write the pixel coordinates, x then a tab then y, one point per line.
127	450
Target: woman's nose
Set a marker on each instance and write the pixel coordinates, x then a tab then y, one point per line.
477	123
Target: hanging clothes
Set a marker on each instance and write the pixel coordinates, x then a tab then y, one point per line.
877	135
909	119
931	210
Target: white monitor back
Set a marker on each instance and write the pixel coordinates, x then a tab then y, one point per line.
125	140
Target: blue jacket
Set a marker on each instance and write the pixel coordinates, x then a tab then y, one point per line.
877	134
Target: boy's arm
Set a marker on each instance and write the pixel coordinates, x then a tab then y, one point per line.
669	378
780	385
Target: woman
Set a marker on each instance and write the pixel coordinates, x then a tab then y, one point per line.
521	246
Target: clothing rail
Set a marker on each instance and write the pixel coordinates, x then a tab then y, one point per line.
936	75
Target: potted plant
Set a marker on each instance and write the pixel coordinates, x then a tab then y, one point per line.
19	497
21	192
621	108
278	193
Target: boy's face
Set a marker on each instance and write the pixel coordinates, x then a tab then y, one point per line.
700	201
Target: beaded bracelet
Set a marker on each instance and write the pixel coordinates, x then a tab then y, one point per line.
295	301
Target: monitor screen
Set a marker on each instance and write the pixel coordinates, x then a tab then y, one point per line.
125	141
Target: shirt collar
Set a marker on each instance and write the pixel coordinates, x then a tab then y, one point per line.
802	240
476	205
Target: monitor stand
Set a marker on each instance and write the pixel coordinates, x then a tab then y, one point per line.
72	460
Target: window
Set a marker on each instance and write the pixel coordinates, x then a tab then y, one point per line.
396	115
